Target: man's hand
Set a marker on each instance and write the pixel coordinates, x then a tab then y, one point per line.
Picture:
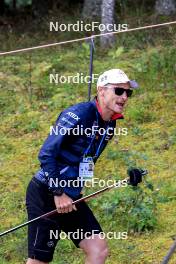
64	204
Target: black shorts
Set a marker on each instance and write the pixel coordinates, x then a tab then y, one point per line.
44	233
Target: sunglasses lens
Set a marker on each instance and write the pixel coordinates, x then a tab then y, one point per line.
129	93
119	91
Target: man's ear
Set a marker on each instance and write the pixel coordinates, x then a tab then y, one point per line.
100	91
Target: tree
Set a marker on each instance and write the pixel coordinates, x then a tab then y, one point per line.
2	7
165	7
107	17
40	8
92	9
14	3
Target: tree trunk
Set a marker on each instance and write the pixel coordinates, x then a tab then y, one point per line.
165	7
92	9
107	17
14	5
2	7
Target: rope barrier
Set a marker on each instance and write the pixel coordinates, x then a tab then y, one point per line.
85	38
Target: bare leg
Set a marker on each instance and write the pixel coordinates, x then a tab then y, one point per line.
35	261
95	249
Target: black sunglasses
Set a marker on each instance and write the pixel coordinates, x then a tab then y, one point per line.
120	91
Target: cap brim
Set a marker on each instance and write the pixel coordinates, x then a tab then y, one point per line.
134	84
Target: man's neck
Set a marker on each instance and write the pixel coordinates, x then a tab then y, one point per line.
106	114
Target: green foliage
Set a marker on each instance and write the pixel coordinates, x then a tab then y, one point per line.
140	209
129	158
141	115
19	2
157	63
117	53
134	208
85	51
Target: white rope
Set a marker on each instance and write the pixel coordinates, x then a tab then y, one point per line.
85	38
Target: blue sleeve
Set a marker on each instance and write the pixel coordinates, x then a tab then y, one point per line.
52	146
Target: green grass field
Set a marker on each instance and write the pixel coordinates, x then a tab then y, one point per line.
29	104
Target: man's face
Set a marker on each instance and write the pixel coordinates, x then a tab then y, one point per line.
113	102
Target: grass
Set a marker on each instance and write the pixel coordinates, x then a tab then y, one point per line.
29	104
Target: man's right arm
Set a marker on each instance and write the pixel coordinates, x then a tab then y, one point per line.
48	158
52	147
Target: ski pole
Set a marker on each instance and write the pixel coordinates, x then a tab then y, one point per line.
92	47
135	176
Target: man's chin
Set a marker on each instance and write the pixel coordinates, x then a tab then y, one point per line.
118	110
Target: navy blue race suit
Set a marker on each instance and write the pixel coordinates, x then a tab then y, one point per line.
62	152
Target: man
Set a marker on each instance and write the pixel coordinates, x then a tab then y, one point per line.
67	157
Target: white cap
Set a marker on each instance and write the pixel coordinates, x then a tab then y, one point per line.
115	76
